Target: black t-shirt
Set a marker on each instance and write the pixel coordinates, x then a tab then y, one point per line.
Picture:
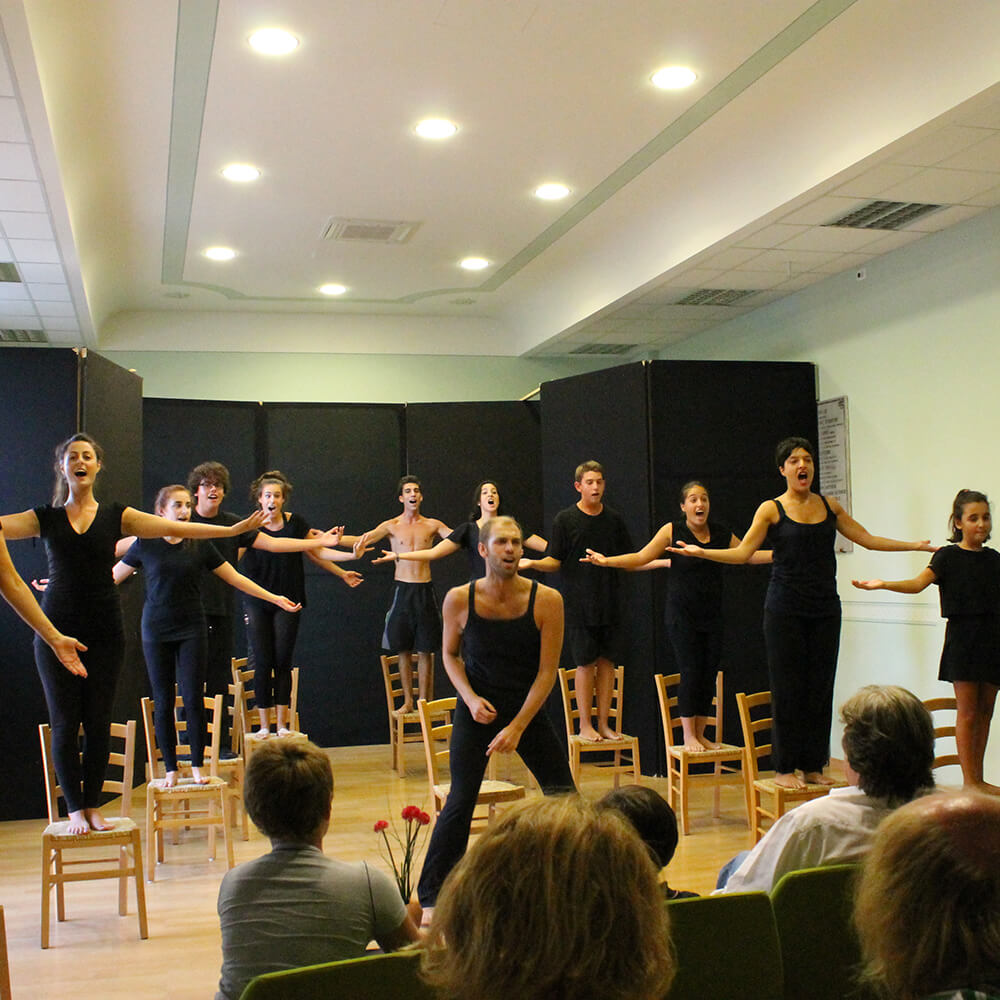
81	598
466	536
173	607
217	596
969	582
590	592
279	572
694	586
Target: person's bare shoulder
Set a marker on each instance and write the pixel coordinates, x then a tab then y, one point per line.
548	600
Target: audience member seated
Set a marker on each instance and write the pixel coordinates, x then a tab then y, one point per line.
555	901
889	749
655	822
928	902
295	906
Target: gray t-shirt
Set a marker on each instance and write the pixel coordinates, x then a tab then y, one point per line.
296	907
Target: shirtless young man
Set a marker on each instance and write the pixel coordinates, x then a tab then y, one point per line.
413	622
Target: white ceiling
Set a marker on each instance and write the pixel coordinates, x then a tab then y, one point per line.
116	117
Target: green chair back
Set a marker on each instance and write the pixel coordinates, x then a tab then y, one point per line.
813	909
727	948
378	977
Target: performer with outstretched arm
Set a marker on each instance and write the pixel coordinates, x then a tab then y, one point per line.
502	639
802	607
80	536
694	605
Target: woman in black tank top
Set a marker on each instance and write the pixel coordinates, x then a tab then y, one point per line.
802	609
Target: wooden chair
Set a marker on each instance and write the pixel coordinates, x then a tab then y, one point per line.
624	752
765	800
725	761
124	834
435	728
727	948
376	977
246	708
4	961
817	904
944	729
232	769
186	804
403	728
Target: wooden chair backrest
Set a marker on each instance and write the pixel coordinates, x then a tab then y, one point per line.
666	694
754	747
242	674
436	726
944	731
571	707
214	707
393	682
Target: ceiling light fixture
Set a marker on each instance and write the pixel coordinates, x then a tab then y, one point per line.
333	289
475	263
435	128
551	191
240	172
673	77
220	253
273	42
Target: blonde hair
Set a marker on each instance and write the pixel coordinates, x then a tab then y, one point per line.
555	900
927	905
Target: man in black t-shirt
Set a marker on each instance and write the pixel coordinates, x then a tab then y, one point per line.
590	593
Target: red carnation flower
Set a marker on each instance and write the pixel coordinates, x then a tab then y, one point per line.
381	825
410	812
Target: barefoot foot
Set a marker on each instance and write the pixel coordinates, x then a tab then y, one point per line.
694	747
708	744
171	779
983	787
96	820
790	780
262	733
78	823
284	731
199	778
818	778
607	733
589	733
405	709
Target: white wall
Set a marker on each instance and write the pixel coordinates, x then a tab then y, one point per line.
916	349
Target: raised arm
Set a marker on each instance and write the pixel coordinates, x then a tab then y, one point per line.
23	525
443	548
122	571
314	540
912	586
227	573
360	542
351	577
762	557
536	543
765	516
549	619
634	560
544	565
856	532
143	525
16	593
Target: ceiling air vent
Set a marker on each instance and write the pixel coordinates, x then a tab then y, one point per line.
23	337
369	230
604	349
885	215
717	296
8	272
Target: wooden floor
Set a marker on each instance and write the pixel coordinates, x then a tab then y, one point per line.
97	953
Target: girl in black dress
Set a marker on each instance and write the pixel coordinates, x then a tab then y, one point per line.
174	636
968	577
694	604
81	599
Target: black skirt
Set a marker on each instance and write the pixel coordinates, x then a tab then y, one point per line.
971	649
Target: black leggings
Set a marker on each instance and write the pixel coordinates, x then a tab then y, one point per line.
698	654
88	701
802	663
180	661
271	633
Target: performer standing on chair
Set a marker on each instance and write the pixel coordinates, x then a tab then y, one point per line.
272	631
593	631
802	607
173	624
968	579
81	599
413	622
502	640
694	605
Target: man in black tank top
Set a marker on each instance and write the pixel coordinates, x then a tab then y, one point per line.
502	640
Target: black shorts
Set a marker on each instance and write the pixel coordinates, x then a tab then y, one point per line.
413	621
588	643
971	650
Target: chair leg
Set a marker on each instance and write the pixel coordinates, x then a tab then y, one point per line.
4	964
123	881
154	847
46	889
684	791
140	885
60	887
636	767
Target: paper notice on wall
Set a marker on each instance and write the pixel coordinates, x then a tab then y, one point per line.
835	457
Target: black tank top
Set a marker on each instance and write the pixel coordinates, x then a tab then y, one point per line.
501	654
804	571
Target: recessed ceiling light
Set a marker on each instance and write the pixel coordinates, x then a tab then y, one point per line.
435	128
220	253
551	192
273	42
333	289
240	172
673	77
475	263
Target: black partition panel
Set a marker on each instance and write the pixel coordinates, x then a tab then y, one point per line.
344	462
48	395
452	447
605	416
